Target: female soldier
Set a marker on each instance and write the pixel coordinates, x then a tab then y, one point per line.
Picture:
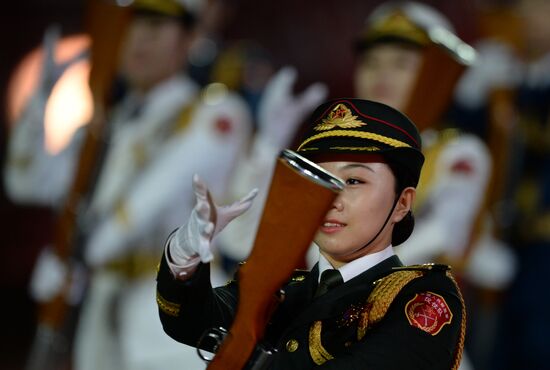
375	313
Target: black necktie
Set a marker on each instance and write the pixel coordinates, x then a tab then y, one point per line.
329	279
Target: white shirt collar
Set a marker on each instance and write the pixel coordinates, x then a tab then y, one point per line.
356	267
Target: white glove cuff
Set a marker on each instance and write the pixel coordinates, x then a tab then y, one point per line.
181	268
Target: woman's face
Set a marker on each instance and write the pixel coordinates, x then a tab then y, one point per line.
360	210
154	49
386	73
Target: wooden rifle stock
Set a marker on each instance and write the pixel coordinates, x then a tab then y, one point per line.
444	60
293	212
106	23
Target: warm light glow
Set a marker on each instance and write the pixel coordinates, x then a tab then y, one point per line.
70	104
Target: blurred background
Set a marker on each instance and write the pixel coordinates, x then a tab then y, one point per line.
317	38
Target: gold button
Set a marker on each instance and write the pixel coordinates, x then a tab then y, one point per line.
292	345
298	278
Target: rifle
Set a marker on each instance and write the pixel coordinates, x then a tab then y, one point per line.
443	62
299	197
105	24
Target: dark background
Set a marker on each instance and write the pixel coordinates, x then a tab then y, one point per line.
314	36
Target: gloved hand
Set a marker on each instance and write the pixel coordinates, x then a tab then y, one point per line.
192	242
51	275
496	66
48	276
280	112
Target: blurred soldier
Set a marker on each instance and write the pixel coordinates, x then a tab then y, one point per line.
525	343
391	55
359	307
161	132
520	67
453	222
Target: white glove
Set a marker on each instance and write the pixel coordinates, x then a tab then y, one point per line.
280	112
192	242
492	263
47	277
495	67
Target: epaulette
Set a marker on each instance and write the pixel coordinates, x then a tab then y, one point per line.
384	293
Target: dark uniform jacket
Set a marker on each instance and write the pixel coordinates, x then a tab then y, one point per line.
388	317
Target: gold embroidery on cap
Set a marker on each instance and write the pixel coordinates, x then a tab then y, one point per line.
340	116
358	134
398	25
363	148
169	7
308	149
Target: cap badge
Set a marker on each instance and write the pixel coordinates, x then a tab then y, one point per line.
340	116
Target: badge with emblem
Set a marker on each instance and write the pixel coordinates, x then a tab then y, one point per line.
428	312
341	117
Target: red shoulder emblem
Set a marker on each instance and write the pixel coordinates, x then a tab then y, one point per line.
428	312
463	166
223	125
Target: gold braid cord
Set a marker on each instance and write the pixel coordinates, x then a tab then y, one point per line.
185	116
359	134
460	344
318	353
381	298
169	308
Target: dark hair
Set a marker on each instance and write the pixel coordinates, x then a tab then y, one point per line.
403	178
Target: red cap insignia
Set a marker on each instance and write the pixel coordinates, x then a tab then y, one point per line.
428	312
